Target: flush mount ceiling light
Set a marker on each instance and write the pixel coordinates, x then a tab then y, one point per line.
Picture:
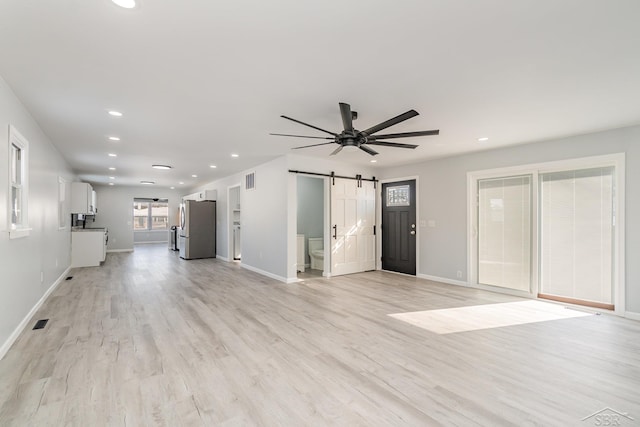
165	167
127	4
115	113
112	169
373	161
235	155
172	188
194	176
483	139
113	155
147	182
181	183
114	138
111	183
112	177
212	166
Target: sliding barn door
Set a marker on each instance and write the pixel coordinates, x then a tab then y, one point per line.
352	226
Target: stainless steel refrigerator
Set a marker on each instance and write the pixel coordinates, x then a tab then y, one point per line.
197	233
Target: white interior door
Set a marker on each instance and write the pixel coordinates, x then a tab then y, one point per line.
352	231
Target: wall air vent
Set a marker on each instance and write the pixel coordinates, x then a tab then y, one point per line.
250	181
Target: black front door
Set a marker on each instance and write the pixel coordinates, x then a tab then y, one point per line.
399	226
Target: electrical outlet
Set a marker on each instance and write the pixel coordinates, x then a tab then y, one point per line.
459	274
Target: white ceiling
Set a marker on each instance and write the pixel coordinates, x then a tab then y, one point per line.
200	79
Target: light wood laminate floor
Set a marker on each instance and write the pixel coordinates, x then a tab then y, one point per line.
150	339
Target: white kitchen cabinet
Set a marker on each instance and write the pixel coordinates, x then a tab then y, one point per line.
202	196
88	247
83	198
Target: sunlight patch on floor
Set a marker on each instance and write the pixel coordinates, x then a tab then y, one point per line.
487	316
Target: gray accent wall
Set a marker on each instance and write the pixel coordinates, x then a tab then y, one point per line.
29	266
442	193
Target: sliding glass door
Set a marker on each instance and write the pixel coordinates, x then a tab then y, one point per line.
551	230
504	232
576	235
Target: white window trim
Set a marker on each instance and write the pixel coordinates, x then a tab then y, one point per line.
616	160
15	138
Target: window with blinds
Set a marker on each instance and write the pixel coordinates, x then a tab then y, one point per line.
576	234
504	232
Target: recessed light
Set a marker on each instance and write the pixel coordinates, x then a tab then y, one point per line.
181	183
373	161
147	182
127	4
235	155
115	113
114	138
161	166
172	188
113	155
112	169
111	183
212	166
194	176
112	177
483	139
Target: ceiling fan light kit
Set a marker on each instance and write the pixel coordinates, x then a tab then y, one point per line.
351	137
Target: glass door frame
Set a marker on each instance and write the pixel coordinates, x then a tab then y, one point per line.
616	160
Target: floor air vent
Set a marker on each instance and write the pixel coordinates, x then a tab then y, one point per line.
40	324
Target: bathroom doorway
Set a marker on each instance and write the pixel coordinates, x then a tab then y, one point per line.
310	226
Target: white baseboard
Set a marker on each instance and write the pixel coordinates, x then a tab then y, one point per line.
266	273
154	242
631	315
109	251
23	324
443	280
498	290
223	258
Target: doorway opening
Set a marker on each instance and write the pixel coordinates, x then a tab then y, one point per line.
234	232
310	248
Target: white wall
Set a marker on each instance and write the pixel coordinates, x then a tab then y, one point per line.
47	249
443	197
115	211
310	209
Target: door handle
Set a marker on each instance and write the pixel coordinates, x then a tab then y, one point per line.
335	232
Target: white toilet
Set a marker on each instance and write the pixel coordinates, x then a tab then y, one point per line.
316	252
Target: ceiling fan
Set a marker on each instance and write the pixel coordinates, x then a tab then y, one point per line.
362	139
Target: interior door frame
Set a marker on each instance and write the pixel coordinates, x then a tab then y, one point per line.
379	231
230	220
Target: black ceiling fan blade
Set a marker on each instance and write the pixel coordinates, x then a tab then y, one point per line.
347	117
391	144
404	134
313	145
368	150
302	136
337	150
311	126
394	121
